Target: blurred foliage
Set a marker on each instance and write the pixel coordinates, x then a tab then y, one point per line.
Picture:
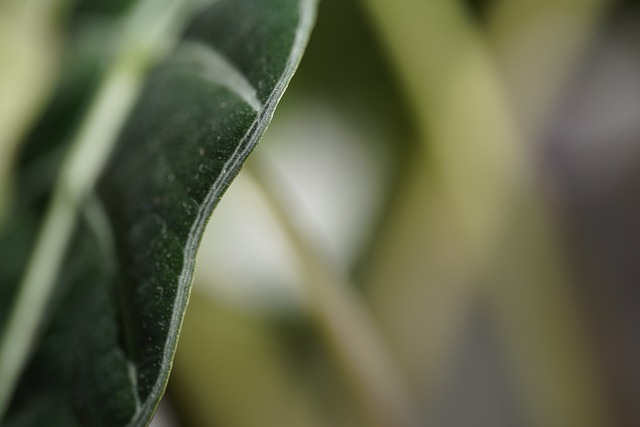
534	343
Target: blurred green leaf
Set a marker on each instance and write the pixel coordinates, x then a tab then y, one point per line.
107	350
30	44
275	366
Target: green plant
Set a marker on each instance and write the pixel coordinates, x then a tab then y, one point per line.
127	189
395	243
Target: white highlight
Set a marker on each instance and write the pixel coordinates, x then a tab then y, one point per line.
212	66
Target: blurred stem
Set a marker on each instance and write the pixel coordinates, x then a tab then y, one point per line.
30	45
350	332
447	246
541	327
468	133
538	45
446	227
148	32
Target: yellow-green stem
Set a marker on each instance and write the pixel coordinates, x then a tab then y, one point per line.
538	45
348	328
461	191
541	328
450	240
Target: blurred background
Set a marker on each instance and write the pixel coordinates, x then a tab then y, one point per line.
441	227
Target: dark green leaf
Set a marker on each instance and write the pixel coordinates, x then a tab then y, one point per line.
106	353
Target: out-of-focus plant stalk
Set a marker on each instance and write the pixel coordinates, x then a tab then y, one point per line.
470	140
538	45
30	46
482	194
541	329
440	243
347	326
